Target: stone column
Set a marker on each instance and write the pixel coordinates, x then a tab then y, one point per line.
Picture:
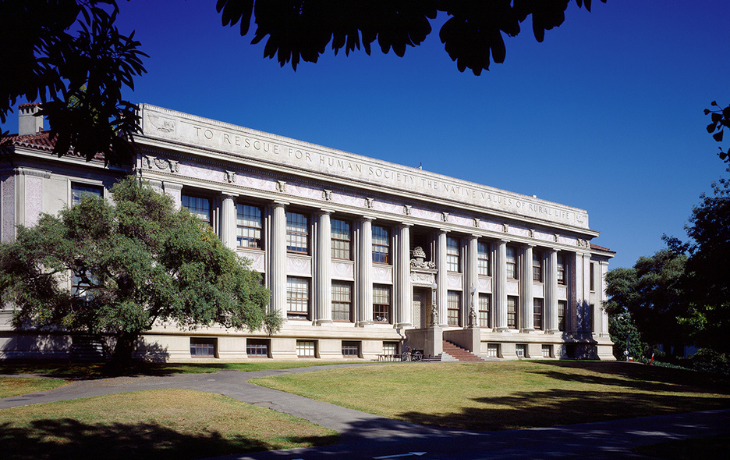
551	292
472	272
500	287
277	248
364	278
402	308
228	221
587	310
603	270
174	190
526	301
323	280
442	277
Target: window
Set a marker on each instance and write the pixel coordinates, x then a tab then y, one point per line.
81	191
485	317
297	298
512	316
306	348
593	281
562	307
453	305
350	349
341	240
390	348
80	288
381	304
341	300
521	350
297	233
547	351
202	348
452	254
537	266
511	263
537	309
199	207
483	259
493	350
248	226
381	245
257	348
561	269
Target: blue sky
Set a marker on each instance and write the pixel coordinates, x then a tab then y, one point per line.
604	115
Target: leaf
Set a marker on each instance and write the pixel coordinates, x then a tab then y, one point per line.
711	127
707	111
718	136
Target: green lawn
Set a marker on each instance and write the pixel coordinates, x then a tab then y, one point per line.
510	395
157	424
14	386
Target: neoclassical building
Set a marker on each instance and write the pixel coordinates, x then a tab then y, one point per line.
363	257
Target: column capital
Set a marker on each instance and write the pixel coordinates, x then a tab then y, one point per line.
172	186
443	230
367	218
226	195
475	236
279	204
404	225
325	211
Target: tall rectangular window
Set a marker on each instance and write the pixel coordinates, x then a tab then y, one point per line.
297	233
248	226
512	312
199	207
381	304
537	315
485	310
537	266
511	263
341	239
452	254
592	276
483	259
381	245
453	305
561	269
297	298
341	301
80	191
562	308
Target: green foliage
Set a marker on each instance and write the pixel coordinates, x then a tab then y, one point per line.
652	295
720	121
136	261
625	336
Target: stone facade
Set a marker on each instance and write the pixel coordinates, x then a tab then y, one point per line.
362	257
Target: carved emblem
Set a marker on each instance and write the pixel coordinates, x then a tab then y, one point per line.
148	161
231	176
505	228
327	195
281	186
161	163
532	233
445	216
477	222
407	210
418	259
174	165
164	125
369	203
557	238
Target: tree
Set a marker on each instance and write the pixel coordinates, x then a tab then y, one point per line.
301	30
625	336
720	121
707	283
651	294
132	263
69	55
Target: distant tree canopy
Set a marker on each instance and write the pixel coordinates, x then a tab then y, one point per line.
69	55
300	30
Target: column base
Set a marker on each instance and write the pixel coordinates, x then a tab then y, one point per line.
501	329
528	331
403	325
321	322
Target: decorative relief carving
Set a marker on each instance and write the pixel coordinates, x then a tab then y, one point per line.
444	216
281	186
327	195
407	209
257	260
164	125
423	278
505	228
418	260
532	233
538	290
563	292
162	164
582	243
485	285
557	238
174	166
513	287
341	270
231	176
382	274
454	281
369	203
477	222
299	265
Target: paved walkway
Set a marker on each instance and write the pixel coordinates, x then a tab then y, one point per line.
369	436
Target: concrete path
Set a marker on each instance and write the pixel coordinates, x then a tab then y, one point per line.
372	437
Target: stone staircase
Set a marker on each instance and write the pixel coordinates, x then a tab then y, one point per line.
454	353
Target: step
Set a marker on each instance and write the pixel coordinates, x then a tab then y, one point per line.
454	353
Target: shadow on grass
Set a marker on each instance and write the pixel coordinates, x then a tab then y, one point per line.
68	438
562	407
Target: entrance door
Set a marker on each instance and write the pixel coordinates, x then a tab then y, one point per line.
421	306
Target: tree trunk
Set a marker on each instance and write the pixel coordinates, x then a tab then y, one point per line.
126	344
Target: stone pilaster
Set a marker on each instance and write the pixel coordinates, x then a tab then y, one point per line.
365	269
442	278
323	279
175	191
603	270
472	273
402	308
551	292
526	302
277	280
587	310
500	287
228	221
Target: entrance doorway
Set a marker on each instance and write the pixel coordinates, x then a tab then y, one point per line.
421	307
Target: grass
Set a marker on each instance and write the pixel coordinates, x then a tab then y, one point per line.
156	424
66	369
688	449
510	395
14	386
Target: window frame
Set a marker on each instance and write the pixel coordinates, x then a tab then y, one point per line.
349	346
84	189
538	313
256	345
383	257
453	255
513	317
485	310
483	267
259	242
304	345
561	270
201	344
306	299
592	276
345	244
297	235
341	287
194	210
537	272
562	312
511	267
453	308
379	306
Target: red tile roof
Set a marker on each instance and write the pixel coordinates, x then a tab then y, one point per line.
41	141
601	248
